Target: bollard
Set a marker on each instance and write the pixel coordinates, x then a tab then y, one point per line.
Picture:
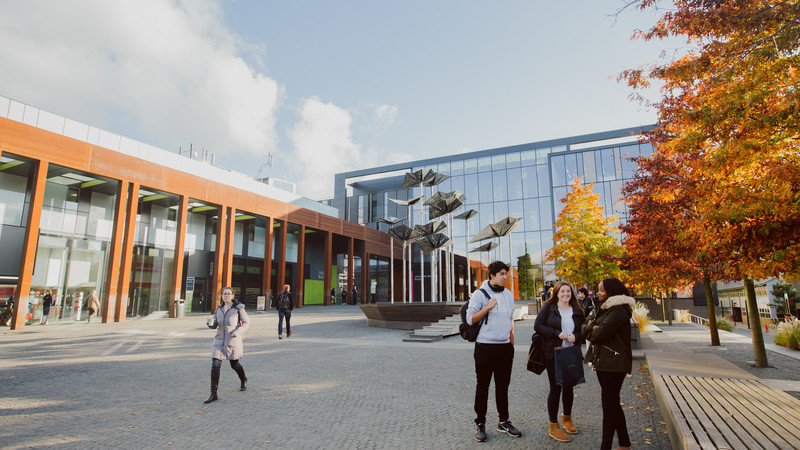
766	328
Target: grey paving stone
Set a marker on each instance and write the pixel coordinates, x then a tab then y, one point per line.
336	383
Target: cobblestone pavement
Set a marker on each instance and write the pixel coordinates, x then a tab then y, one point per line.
335	384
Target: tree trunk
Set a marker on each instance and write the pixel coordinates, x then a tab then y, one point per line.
712	315
759	351
669	310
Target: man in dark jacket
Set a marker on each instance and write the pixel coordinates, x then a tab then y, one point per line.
47	302
586	301
285	305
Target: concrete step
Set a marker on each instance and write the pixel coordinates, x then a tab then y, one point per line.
415	338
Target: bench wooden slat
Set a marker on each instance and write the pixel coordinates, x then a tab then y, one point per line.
763	404
728	410
697	401
673	416
719	420
697	429
788	405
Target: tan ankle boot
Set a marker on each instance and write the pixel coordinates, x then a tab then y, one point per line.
557	433
569	427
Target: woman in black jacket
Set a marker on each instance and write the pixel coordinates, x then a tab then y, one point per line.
559	323
610	354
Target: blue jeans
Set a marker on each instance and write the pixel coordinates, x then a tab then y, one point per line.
281	315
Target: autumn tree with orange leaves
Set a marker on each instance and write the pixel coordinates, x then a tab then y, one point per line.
733	102
585	249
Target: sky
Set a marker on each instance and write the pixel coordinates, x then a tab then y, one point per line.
328	86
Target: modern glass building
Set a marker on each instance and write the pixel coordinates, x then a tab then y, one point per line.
523	181
83	209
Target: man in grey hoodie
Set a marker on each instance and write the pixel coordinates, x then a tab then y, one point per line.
494	347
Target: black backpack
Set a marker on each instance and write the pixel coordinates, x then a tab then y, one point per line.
470	332
284	302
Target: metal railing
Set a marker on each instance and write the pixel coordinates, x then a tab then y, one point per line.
698	320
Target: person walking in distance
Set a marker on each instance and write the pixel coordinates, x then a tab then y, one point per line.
47	302
355	295
494	347
94	305
559	324
230	320
344	296
285	307
611	356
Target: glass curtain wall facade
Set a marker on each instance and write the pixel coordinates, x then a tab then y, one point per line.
526	181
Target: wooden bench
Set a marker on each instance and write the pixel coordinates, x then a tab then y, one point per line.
725	413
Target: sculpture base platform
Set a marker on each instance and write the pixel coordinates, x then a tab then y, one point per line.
408	316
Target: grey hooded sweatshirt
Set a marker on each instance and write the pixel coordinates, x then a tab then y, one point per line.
501	318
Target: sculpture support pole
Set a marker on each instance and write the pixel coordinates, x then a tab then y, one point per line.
421	255
511	265
405	291
410	260
469	266
391	270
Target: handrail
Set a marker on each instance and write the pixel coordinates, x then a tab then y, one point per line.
698	320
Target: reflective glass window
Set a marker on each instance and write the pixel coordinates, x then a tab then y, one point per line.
499	162
528	158
443	167
485	194
645	148
485	218
543	176
500	211
545	213
514	181
512	160
499	189
470	166
558	194
529	186
571	166
515	209
530	218
558	170
457	168
457	183
628	165
541	155
485	164
471	188
607	160
534	243
590	172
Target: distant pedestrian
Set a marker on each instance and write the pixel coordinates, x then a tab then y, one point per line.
230	320
344	296
494	347
586	301
7	312
559	324
93	304
285	307
47	302
333	296
355	295
610	355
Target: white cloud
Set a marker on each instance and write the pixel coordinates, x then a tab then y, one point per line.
164	72
323	146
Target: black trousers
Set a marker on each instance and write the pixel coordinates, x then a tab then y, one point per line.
492	359
557	391
613	416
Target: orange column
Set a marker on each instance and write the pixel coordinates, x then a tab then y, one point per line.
177	258
218	258
29	246
267	271
282	258
350	268
109	301
126	265
326	278
301	253
228	265
365	281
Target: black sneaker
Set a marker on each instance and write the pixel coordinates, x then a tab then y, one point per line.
480	435
506	427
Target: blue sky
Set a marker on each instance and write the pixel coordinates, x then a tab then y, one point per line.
327	86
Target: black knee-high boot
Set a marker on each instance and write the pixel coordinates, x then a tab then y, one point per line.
237	366
214	382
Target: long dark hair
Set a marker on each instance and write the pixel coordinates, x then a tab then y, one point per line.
613	286
573	301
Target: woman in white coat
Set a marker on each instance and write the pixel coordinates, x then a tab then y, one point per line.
231	322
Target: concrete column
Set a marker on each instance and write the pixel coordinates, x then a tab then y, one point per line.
282	258
108	302
177	257
350	268
30	245
121	309
301	252
326	278
227	268
267	271
218	258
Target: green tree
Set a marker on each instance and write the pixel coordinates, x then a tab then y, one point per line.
783	290
527	282
584	250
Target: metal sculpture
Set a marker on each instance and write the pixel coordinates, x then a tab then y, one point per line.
392	221
465	216
410	291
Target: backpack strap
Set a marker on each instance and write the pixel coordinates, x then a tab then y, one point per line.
486	317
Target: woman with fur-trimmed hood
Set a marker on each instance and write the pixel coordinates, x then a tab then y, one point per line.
610	354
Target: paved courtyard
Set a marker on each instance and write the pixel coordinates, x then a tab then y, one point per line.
335	384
